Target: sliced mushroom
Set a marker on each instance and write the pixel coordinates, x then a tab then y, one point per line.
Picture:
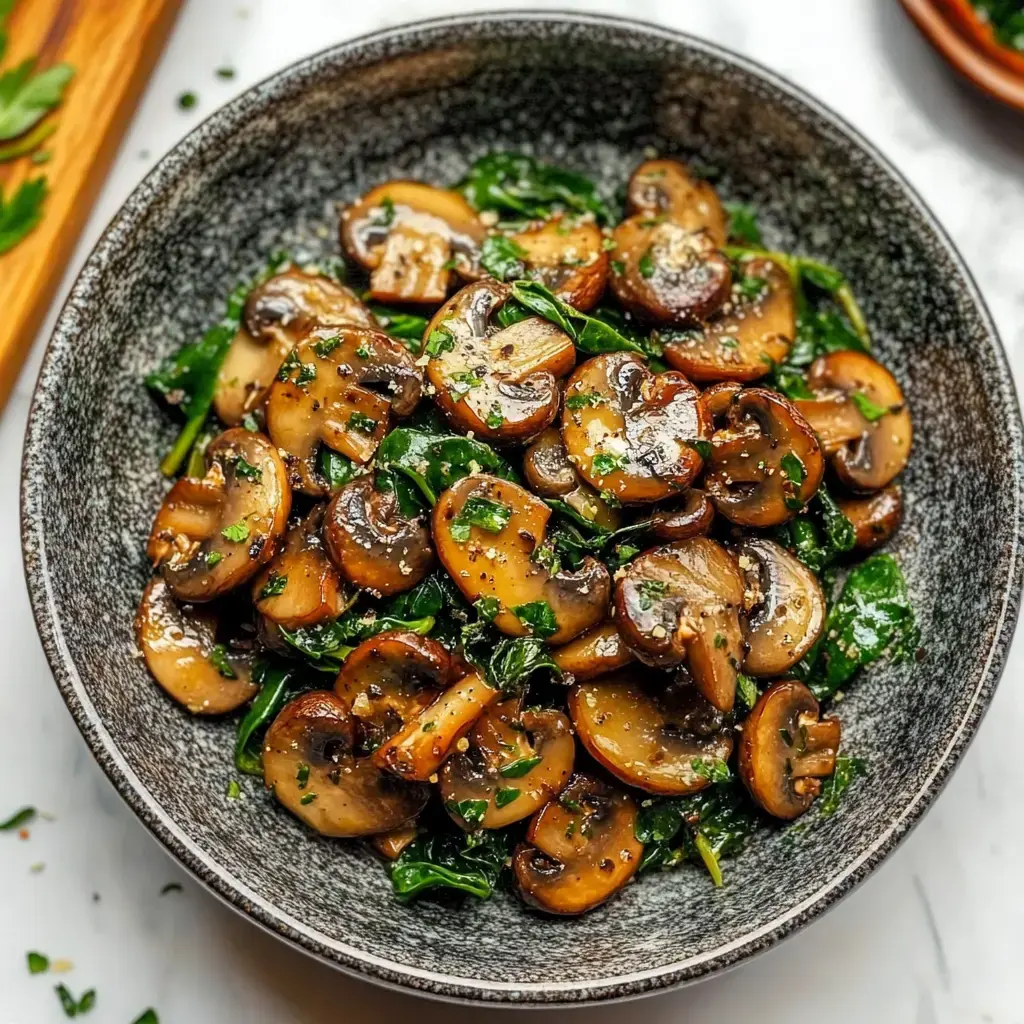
486	531
752	332
327	392
765	461
661	739
372	543
213	534
309	762
875	518
595	653
499	383
391	844
785	750
408	234
418	750
389	679
785	607
277	314
580	849
550	474
300	587
516	762
632	433
692	516
681	602
667	265
860	417
568	255
182	654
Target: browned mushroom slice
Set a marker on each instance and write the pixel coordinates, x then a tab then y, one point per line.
372	543
785	607
408	234
752	332
391	844
785	750
301	586
598	651
498	382
580	849
875	518
665	188
182	654
277	314
632	433
213	534
860	417
661	739
486	531
309	762
681	602
550	474
389	679
515	763
692	516
568	255
327	392
765	461
418	751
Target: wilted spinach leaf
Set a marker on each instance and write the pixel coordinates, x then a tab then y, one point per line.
502	257
278	683
743	225
326	646
469	863
847	770
408	328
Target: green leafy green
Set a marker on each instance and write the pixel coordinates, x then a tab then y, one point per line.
18	819
73	1007
469	863
747	690
237	533
847	771
714	769
408	328
21	213
743	226
27	96
502	257
274	587
335	468
470	811
37	963
506	662
519	767
483	513
505	795
218	658
27	143
147	1017
1007	20
820	535
326	646
871	411
277	683
538	617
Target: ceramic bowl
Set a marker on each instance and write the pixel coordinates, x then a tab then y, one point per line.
266	172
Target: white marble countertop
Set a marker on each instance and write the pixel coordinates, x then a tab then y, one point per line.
934	936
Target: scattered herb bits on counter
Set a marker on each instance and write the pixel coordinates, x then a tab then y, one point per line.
535	547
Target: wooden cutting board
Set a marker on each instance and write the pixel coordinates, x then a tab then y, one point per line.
113	45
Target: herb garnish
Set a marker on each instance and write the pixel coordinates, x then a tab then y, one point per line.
18	820
483	513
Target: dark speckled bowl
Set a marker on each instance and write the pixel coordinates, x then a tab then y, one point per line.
422	102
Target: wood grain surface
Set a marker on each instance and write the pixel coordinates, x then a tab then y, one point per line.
113	45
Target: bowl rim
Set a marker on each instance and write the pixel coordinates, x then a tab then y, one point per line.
233	891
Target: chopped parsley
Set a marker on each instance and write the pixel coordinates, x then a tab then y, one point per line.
720	641
440	340
750	288
483	513
73	1007
504	796
274	587
37	963
494	419
250	423
538	617
714	769
702	448
302	775
307	799
234	790
18	819
247	470
385	213
793	468
237	533
187	100
363	423
218	658
605	463
487	608
325	346
871	411
212	558
464	382
646	264
519	767
584	399
470	811
649	591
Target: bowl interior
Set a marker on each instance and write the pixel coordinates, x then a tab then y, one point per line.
266	174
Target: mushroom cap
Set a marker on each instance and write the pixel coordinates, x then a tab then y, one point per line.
765	461
516	761
785	607
499	383
691	516
666	188
212	535
178	642
309	763
580	849
372	543
875	518
634	437
681	602
746	337
785	750
498	563
649	734
595	653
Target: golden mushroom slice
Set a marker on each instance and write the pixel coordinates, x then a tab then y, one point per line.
212	535
659	737
595	653
861	418
498	382
668	266
752	332
408	235
389	679
310	764
875	518
550	474
372	543
631	433
580	849
765	460
786	750
276	315
681	603
300	586
486	531
566	254
515	763
391	844
784	604
689	516
183	656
